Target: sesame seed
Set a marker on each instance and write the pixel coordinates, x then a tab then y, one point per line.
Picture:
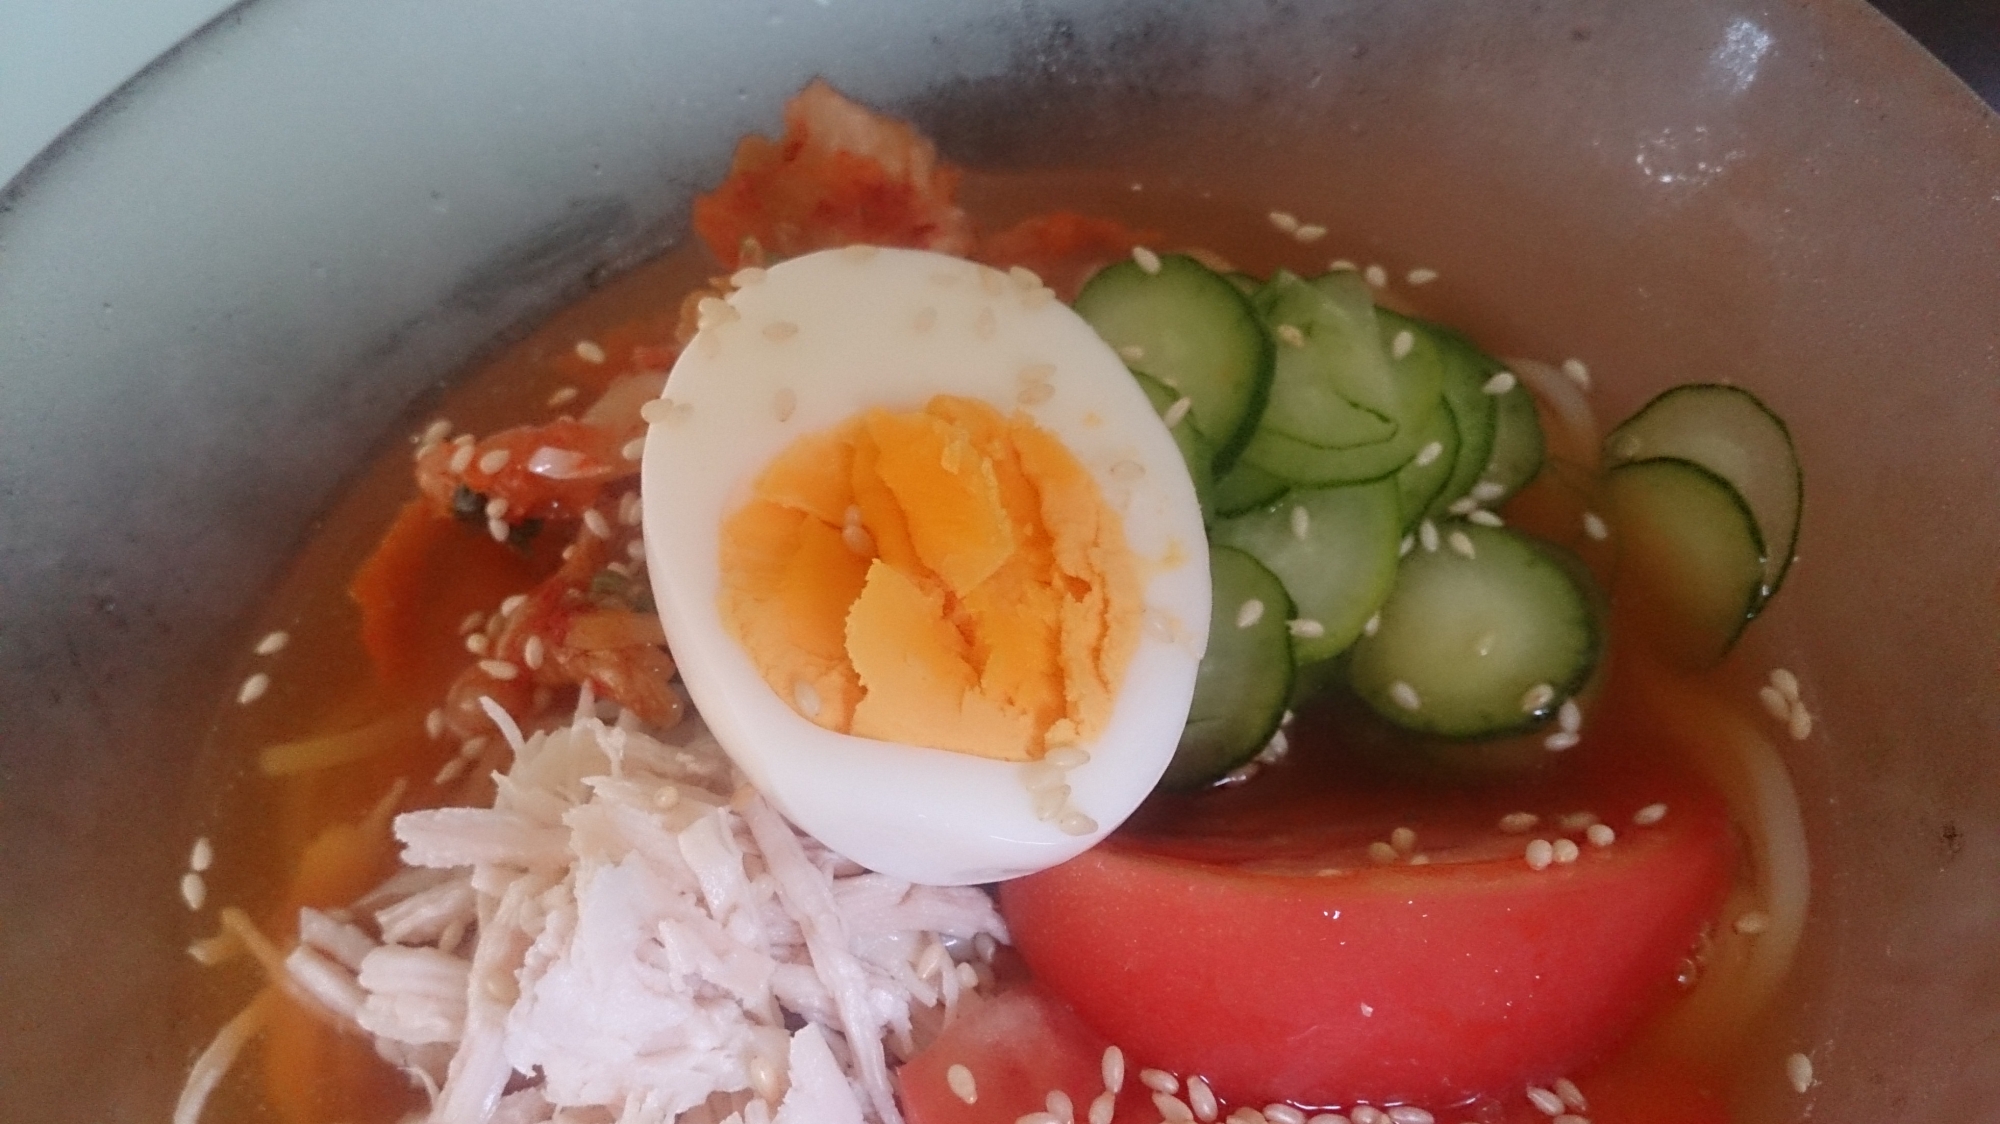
1036	298
1752	923
1570	717
1650	815
476	643
1404	840
1545	1099
493	460
634	449
499	669
1399	348
273	643
805	697
1037	372
589	351
1301	522
1801	724
595	522
1025	279
1561	740
1060	1106
1427	533
434	433
1595	527
1283	1114
1036	1118
1775	703
1409	1114
1540	854
1173	1110
777	331
1249	613
531	653
1484	519
202	855
1571	1095
1305	628
713	312
1285	221
1112	1067
1429	454
471	747
1537	697
1201	1099
1147	260
194	890
1381	852
1463	505
1570	1118
1460	543
1177	411
450	771
497	530
1132	353
1369	1114
1577	372
1341	265
1372	625
1036	393
992	282
1565	850
1376	276
1486	491
1799	1071
1291	335
630	510
1600	835
1518	823
1041	776
461	459
1500	383
1102	1106
1422	276
1786	683
1309	232
1405	695
1048	803
508	607
857	540
1160	1081
253	689
1067	757
968	976
496	508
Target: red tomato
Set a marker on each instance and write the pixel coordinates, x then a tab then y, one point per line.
1018	1047
1325	978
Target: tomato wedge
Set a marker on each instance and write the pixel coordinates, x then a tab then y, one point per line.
1284	968
1017	1047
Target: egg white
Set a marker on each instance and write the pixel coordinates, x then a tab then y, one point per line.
815	341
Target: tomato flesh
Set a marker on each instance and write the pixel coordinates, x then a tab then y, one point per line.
1360	981
1017	1047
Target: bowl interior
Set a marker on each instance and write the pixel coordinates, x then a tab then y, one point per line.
231	284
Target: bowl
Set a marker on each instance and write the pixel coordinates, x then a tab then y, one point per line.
238	278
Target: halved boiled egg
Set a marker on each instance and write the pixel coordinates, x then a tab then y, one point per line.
931	567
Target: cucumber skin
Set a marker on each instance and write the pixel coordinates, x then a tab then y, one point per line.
1518	444
1253	698
1197	451
1228	446
1679	642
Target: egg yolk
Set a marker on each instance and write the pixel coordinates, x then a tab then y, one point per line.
943	577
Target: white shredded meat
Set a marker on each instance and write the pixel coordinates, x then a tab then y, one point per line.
632	934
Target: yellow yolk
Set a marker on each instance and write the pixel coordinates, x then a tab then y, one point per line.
944	577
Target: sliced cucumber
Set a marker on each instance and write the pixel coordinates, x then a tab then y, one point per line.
1196	449
1464	372
1727	431
1422	479
1340	411
1335	550
1246	486
1245	678
1518	447
1466	644
1189	328
1690	559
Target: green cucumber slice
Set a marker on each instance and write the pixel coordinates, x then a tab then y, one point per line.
1190	328
1423	477
1728	431
1246	486
1465	645
1518	447
1245	678
1464	372
1335	550
1196	449
1689	552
